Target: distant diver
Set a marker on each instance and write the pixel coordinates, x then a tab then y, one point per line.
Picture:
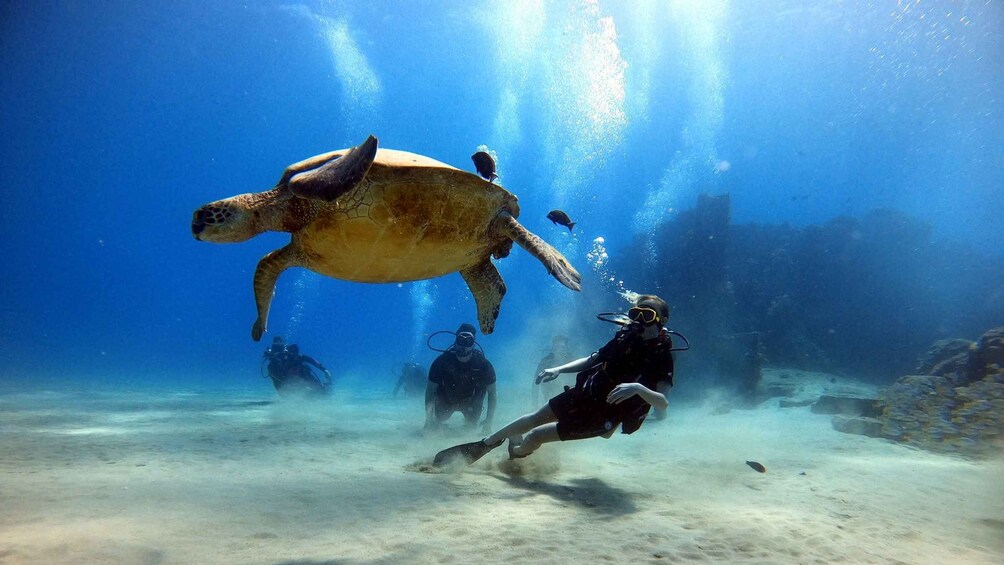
485	165
290	370
411	380
560	219
558	355
615	387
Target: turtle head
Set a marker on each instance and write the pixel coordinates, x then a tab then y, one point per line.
226	221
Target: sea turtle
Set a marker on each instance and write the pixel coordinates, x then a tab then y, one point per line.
379	216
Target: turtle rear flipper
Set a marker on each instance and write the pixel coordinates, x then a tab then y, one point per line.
337	176
488	288
555	263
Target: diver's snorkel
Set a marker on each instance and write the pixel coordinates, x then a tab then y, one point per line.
619	318
428	342
623	320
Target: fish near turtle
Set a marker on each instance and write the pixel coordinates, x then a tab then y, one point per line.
560	218
380	216
484	163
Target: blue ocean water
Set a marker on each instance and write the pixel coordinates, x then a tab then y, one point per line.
121	118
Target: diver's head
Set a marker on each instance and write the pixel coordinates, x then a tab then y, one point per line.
277	347
463	346
559	343
293	348
649	310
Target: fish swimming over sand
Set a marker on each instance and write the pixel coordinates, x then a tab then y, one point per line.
485	165
560	218
757	467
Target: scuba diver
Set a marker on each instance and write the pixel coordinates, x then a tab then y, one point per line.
615	387
559	353
275	355
411	380
460	380
290	370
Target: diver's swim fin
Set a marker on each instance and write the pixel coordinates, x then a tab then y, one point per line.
468	452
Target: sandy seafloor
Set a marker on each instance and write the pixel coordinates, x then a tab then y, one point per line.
179	476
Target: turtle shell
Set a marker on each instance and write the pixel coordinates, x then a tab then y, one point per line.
410	218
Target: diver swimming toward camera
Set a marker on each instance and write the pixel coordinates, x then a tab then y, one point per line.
291	371
615	387
460	380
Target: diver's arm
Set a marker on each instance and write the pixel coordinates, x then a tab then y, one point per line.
570	367
577	365
316	363
537	392
312	361
490	415
624	391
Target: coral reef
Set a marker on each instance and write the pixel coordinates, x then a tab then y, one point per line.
959	406
852	296
847	405
946	358
862	426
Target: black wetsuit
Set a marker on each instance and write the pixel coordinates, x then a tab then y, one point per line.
461	386
290	369
412	379
583	410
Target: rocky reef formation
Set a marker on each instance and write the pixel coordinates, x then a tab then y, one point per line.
957	405
857	296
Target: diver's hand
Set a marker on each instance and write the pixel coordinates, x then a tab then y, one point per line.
622	392
547	375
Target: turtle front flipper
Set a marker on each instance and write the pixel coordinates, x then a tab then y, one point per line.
265	276
306	165
337	176
488	288
555	263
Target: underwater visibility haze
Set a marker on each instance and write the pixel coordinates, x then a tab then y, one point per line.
815	188
124	118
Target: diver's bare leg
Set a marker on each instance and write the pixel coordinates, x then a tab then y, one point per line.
265	276
537	436
523	424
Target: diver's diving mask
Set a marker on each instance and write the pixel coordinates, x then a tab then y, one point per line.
643	314
464	342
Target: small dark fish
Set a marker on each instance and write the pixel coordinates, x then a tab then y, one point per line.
560	218
757	467
485	165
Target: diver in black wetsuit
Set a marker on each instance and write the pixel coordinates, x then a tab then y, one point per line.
290	372
615	387
411	380
559	354
460	380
